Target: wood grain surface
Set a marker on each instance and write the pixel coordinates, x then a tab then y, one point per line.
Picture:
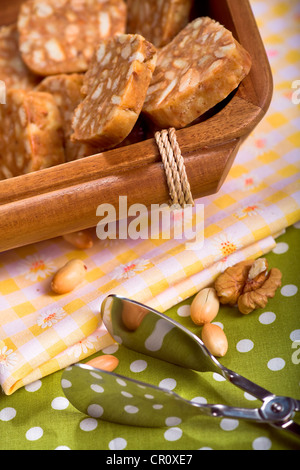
63	199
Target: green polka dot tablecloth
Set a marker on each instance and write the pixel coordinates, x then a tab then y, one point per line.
263	346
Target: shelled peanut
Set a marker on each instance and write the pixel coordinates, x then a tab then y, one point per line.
81	240
248	285
205	306
69	277
214	339
204	309
106	362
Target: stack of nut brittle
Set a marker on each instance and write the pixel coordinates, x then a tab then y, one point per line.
83	76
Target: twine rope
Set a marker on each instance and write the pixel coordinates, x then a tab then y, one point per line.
178	184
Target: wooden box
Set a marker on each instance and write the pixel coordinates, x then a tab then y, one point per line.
62	199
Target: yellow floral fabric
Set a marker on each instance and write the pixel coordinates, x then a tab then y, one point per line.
41	332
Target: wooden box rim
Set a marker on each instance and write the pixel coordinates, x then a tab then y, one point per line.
63	199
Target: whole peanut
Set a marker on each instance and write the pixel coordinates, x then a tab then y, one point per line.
69	277
81	240
105	362
205	306
214	339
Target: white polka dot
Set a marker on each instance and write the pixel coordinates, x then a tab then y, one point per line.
97	388
117	444
88	424
131	409
60	403
157	406
245	345
249	397
172	421
7	414
295	335
126	394
277	363
281	248
118	339
111	349
218	377
121	382
205	448
138	366
297	225
218	324
261	443
34	386
62	448
150	397
35	433
95	375
95	411
289	290
184	311
66	383
200	400
173	434
228	424
267	318
169	384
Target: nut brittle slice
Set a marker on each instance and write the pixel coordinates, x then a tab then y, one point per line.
13	72
116	85
66	90
198	69
30	133
60	36
158	21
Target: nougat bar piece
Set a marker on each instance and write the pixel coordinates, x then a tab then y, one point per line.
115	85
66	90
158	21
30	133
60	36
13	72
198	69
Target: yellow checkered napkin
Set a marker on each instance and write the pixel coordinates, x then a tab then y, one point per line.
41	332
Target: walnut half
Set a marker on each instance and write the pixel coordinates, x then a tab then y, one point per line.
248	284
